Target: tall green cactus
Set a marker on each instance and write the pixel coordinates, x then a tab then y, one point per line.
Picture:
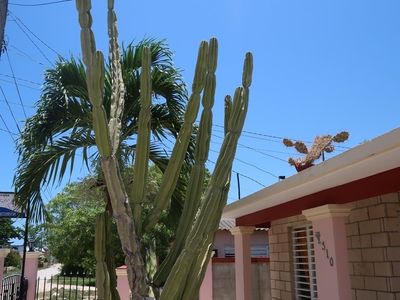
196	182
182	271
106	281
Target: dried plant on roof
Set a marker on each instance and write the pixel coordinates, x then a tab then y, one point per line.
321	144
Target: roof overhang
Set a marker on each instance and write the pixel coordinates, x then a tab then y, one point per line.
378	156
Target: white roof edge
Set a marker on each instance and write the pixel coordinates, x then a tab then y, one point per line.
373	157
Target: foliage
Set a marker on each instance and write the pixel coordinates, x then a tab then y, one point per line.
61	130
185	269
13	259
71	229
8	231
321	144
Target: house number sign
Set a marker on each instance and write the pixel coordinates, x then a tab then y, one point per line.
323	247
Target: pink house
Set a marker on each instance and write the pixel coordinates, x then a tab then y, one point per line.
219	282
334	229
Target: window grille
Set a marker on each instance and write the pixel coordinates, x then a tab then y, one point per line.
304	263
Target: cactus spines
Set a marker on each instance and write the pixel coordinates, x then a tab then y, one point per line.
117	83
321	144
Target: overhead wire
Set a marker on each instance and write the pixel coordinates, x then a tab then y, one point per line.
24	54
241	174
21	84
9	108
33	42
276	137
7	129
16	84
21	79
39	4
17	19
251	165
255	150
16	103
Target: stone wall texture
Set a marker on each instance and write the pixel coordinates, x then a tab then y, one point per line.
373	238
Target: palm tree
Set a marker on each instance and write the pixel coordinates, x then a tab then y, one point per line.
61	129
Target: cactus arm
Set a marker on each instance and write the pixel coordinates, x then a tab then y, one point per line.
130	242
171	174
117	83
178	284
143	140
94	62
228	109
102	274
196	181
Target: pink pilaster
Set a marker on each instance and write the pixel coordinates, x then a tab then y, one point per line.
3	254
330	245
31	268
123	283
206	288
242	261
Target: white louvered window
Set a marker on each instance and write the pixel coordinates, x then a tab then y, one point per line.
304	263
256	251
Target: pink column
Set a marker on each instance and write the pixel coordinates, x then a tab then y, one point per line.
330	245
3	254
123	283
31	268
242	261
206	288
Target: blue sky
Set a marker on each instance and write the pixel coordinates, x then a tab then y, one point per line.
319	67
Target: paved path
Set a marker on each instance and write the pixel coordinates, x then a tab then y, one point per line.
50	271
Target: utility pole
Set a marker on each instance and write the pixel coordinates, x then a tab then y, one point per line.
3	17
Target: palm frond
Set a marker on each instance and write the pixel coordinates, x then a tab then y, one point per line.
47	166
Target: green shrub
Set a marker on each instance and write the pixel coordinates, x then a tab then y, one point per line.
13	259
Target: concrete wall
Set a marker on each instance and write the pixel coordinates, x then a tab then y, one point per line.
373	238
224	281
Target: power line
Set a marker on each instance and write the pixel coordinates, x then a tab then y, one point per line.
252	179
251	165
7	129
9	108
248	177
39	4
40	40
255	150
278	137
24	54
16	84
263	149
21	79
21	84
16	103
36	46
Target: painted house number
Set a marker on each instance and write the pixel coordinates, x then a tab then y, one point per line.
323	247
